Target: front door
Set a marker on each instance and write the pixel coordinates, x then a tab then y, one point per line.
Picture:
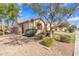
39	26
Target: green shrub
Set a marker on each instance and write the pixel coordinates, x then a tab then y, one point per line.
30	32
67	38
64	36
47	41
71	29
64	24
57	37
40	36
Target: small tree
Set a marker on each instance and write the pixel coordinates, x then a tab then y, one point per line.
64	24
72	28
12	14
2	16
8	12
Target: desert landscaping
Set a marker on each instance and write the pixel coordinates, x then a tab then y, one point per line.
16	45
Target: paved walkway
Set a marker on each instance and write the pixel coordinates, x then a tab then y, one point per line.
76	49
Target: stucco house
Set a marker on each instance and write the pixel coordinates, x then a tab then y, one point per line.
36	23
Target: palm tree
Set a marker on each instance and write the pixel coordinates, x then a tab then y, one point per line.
50	12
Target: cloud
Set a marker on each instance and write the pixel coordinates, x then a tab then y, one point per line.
74	19
24	17
19	4
65	4
20	13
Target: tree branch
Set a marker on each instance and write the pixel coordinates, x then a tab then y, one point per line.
46	19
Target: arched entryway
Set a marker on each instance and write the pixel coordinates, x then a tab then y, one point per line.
39	26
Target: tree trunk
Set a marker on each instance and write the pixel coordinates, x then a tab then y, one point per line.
3	28
16	26
51	31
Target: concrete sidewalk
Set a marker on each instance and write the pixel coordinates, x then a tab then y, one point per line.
76	48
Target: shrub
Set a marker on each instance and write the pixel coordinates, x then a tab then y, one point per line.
30	32
47	41
55	29
67	38
14	30
71	29
64	24
47	33
57	37
40	36
1	32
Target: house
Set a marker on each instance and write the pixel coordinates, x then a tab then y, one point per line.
37	23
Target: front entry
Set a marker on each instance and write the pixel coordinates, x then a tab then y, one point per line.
39	26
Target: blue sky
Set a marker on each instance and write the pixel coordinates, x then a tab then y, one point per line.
27	13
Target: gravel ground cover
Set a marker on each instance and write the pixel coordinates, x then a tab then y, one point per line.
17	45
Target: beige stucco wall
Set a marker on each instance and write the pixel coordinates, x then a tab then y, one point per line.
19	29
26	26
31	24
42	23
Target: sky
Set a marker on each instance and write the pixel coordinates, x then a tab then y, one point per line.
27	13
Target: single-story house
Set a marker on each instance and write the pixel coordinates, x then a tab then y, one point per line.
37	23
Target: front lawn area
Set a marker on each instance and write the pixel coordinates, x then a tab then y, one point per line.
70	36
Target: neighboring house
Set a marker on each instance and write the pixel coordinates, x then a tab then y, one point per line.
37	23
61	29
48	26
